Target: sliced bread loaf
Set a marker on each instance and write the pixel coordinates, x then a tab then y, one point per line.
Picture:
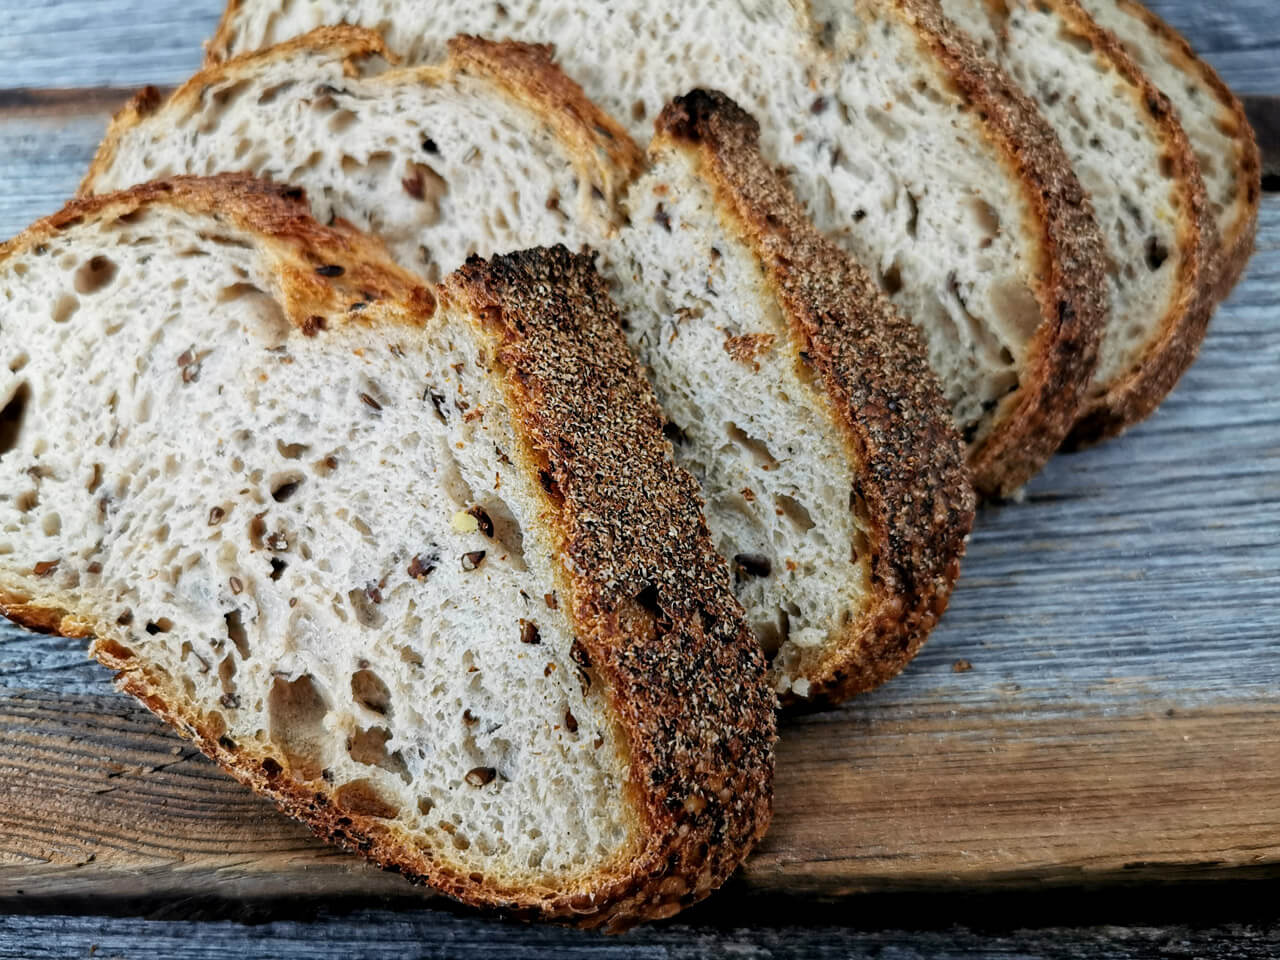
417	568
1212	117
1133	157
842	580
904	144
803	401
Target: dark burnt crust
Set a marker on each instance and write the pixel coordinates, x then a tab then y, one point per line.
1031	423
1238	240
649	596
686	677
1137	393
912	487
352	43
528	73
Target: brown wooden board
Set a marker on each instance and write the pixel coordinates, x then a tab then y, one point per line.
1118	723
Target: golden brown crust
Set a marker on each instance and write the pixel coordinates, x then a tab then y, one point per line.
652	603
528	73
1238	239
911	488
1031	423
1136	394
351	43
217	47
649	596
602	151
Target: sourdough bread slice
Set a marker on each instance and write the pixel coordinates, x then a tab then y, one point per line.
381	555
492	150
1213	119
1132	155
801	399
843	598
905	145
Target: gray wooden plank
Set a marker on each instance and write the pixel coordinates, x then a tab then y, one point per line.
381	934
90	43
102	43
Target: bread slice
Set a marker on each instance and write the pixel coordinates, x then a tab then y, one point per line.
1131	154
380	553
492	150
842	597
905	145
801	399
1213	119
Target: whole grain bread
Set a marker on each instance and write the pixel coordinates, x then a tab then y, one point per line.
903	142
803	401
1214	121
1132	155
841	580
377	550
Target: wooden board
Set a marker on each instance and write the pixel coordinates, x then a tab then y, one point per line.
1119	725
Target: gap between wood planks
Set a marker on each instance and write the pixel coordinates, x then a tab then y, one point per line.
98	799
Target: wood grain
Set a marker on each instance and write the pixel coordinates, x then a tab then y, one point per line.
1119	725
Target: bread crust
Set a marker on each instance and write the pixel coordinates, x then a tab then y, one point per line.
911	486
1137	393
526	73
684	675
1032	423
1237	242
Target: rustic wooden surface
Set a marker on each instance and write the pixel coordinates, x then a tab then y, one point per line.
1119	728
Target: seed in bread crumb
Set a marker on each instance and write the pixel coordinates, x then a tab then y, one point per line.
468	717
216	516
236	586
551	601
529	633
46	567
372	592
278	542
423	565
95	567
483	523
481	776
465	522
570	722
961	666
371	403
473	560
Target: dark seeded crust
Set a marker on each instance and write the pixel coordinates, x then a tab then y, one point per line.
1137	393
687	681
1031	424
912	487
1238	240
650	598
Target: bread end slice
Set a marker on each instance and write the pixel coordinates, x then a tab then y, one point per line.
912	495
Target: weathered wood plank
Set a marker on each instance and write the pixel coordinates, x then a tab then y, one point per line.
98	800
129	43
381	934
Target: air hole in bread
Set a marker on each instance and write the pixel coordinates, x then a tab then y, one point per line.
369	690
507	533
278	567
364	603
756	447
18	363
95	276
65	307
271	93
1156	253
362	798
292	451
795	511
27	501
12	417
892	280
236	633
772	634
369	747
297	709
161	625
285	486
